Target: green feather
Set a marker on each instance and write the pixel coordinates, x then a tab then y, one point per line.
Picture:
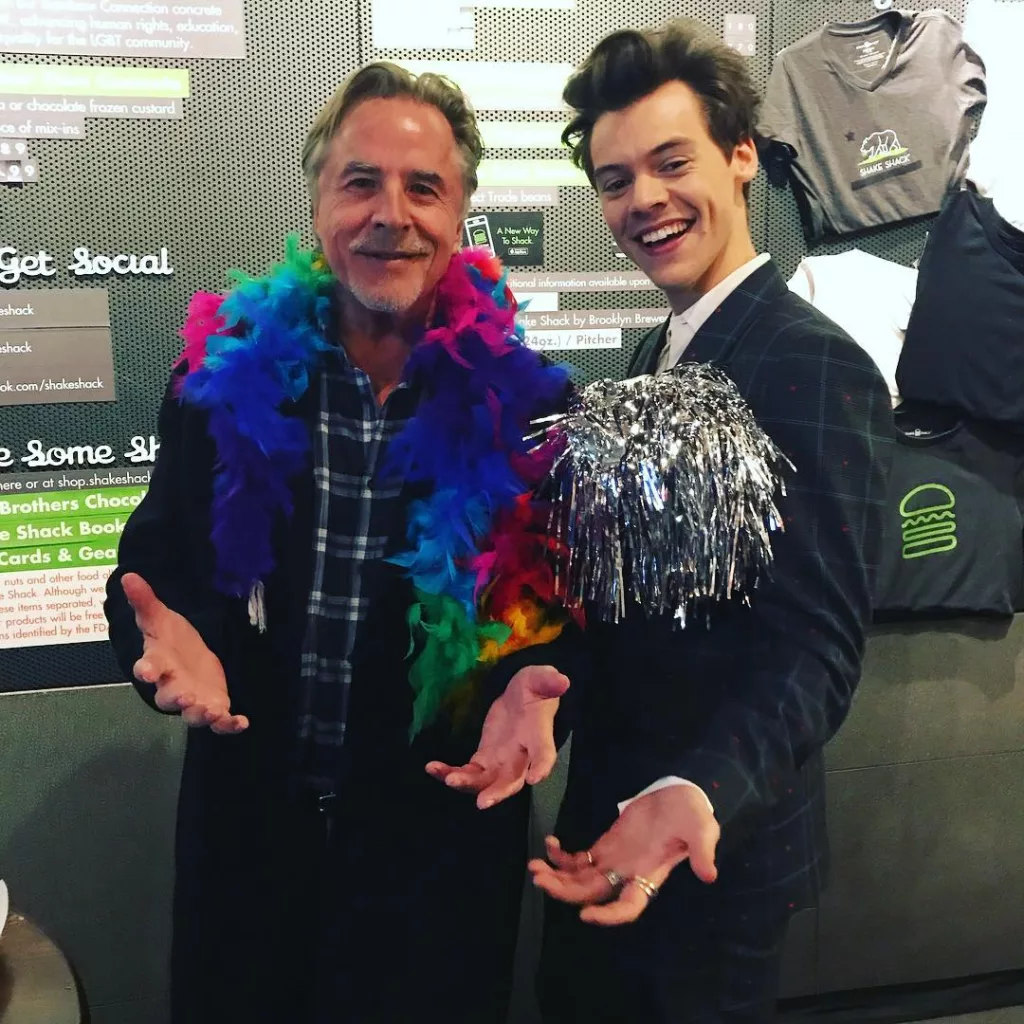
451	644
308	266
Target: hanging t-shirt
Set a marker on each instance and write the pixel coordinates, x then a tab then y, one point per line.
964	346
953	528
874	117
870	298
994	29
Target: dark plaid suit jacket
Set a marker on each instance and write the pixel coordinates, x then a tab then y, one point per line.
744	707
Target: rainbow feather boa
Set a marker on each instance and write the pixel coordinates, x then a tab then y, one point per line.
479	556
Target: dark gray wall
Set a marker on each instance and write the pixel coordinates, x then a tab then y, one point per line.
926	790
927	777
88	785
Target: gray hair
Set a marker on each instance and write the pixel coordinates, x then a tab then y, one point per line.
383	80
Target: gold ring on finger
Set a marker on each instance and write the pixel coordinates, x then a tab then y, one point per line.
646	886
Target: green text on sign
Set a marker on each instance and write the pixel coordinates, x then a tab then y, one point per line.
83	80
98	501
64	556
31	533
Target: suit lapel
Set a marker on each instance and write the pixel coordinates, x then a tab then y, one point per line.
645	358
718	336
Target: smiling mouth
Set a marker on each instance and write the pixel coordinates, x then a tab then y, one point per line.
659	238
388	257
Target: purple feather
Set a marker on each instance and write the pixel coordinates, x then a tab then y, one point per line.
251	492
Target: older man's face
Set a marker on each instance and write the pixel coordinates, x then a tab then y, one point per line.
390	205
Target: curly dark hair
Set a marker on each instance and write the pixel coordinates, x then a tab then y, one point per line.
631	64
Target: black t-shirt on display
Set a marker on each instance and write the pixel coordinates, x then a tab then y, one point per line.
964	346
954	536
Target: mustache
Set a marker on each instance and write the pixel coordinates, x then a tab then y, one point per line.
382	243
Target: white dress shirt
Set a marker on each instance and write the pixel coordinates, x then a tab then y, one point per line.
683	326
681	329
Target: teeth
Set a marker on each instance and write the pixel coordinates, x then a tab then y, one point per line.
666	232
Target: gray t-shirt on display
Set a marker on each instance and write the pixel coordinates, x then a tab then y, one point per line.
875	117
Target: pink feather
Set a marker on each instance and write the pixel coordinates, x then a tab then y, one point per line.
202	320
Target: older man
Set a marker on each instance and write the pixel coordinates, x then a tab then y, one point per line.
341	457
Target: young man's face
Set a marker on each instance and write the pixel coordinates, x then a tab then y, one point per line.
673	200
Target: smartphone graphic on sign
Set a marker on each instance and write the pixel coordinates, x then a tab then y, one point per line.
478	231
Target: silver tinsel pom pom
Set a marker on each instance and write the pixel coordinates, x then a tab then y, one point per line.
665	493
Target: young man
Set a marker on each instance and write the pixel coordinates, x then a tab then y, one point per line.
321	875
704	745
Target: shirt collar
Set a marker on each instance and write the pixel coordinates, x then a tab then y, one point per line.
691	319
340	365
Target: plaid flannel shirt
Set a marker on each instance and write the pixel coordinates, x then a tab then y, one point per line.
354	511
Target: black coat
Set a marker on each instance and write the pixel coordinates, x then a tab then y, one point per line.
411	900
743	708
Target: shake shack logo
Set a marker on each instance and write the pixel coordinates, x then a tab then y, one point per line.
927	521
882	156
882	148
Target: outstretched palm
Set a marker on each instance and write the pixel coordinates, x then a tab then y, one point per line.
517	744
187	675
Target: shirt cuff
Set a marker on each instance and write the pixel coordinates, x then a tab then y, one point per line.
669	780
